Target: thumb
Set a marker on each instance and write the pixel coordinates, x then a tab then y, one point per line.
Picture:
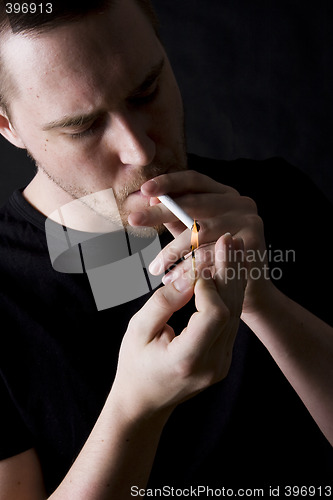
152	317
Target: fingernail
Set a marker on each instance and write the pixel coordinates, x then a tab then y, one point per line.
156	267
149	187
183	283
239	244
228	240
168	278
140	217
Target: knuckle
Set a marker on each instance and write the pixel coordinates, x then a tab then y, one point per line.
213	376
218	373
132	322
250	204
232	192
184	368
161	300
236	193
207	380
255	222
195	175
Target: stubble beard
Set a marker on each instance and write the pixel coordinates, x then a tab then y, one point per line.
118	215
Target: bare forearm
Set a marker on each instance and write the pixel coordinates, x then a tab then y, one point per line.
302	346
119	453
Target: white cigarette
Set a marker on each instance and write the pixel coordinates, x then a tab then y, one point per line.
176	210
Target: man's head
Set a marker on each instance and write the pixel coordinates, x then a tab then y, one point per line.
47	16
93	99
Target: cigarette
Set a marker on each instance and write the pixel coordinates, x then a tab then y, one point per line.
176	210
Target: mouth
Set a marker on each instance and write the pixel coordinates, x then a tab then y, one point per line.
138	193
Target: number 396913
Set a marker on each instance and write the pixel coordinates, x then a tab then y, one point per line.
29	8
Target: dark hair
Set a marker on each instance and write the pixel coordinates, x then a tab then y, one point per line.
63	12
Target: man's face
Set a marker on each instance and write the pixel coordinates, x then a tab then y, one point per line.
98	106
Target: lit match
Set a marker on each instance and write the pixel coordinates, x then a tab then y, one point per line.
177	210
192	224
194	245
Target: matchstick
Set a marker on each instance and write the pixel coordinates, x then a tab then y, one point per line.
194	246
193	262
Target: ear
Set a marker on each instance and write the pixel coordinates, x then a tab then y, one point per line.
9	132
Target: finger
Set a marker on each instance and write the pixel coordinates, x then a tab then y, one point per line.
152	317
206	324
183	182
181	245
204	259
230	272
174	251
152	216
198	206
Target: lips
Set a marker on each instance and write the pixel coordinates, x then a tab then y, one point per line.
148	178
137	193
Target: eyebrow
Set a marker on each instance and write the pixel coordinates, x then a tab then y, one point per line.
71	121
153	74
82	119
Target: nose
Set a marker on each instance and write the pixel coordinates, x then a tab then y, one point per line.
132	142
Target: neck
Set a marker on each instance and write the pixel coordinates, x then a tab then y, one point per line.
45	195
79	214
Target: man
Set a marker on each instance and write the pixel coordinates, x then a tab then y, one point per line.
90	94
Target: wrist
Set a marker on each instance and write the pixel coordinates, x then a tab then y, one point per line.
263	300
135	410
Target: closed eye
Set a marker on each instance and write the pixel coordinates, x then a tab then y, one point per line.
149	88
92	129
145	96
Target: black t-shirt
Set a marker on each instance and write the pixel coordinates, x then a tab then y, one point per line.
58	354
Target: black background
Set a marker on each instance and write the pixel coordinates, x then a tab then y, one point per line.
256	78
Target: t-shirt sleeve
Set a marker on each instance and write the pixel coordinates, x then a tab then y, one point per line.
14	435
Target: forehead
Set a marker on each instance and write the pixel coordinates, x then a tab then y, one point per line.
83	60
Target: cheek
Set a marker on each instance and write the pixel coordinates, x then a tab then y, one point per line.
60	159
90	166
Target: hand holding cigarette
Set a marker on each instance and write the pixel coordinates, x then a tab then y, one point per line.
220	209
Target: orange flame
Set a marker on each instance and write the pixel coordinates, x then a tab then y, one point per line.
195	236
194	246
